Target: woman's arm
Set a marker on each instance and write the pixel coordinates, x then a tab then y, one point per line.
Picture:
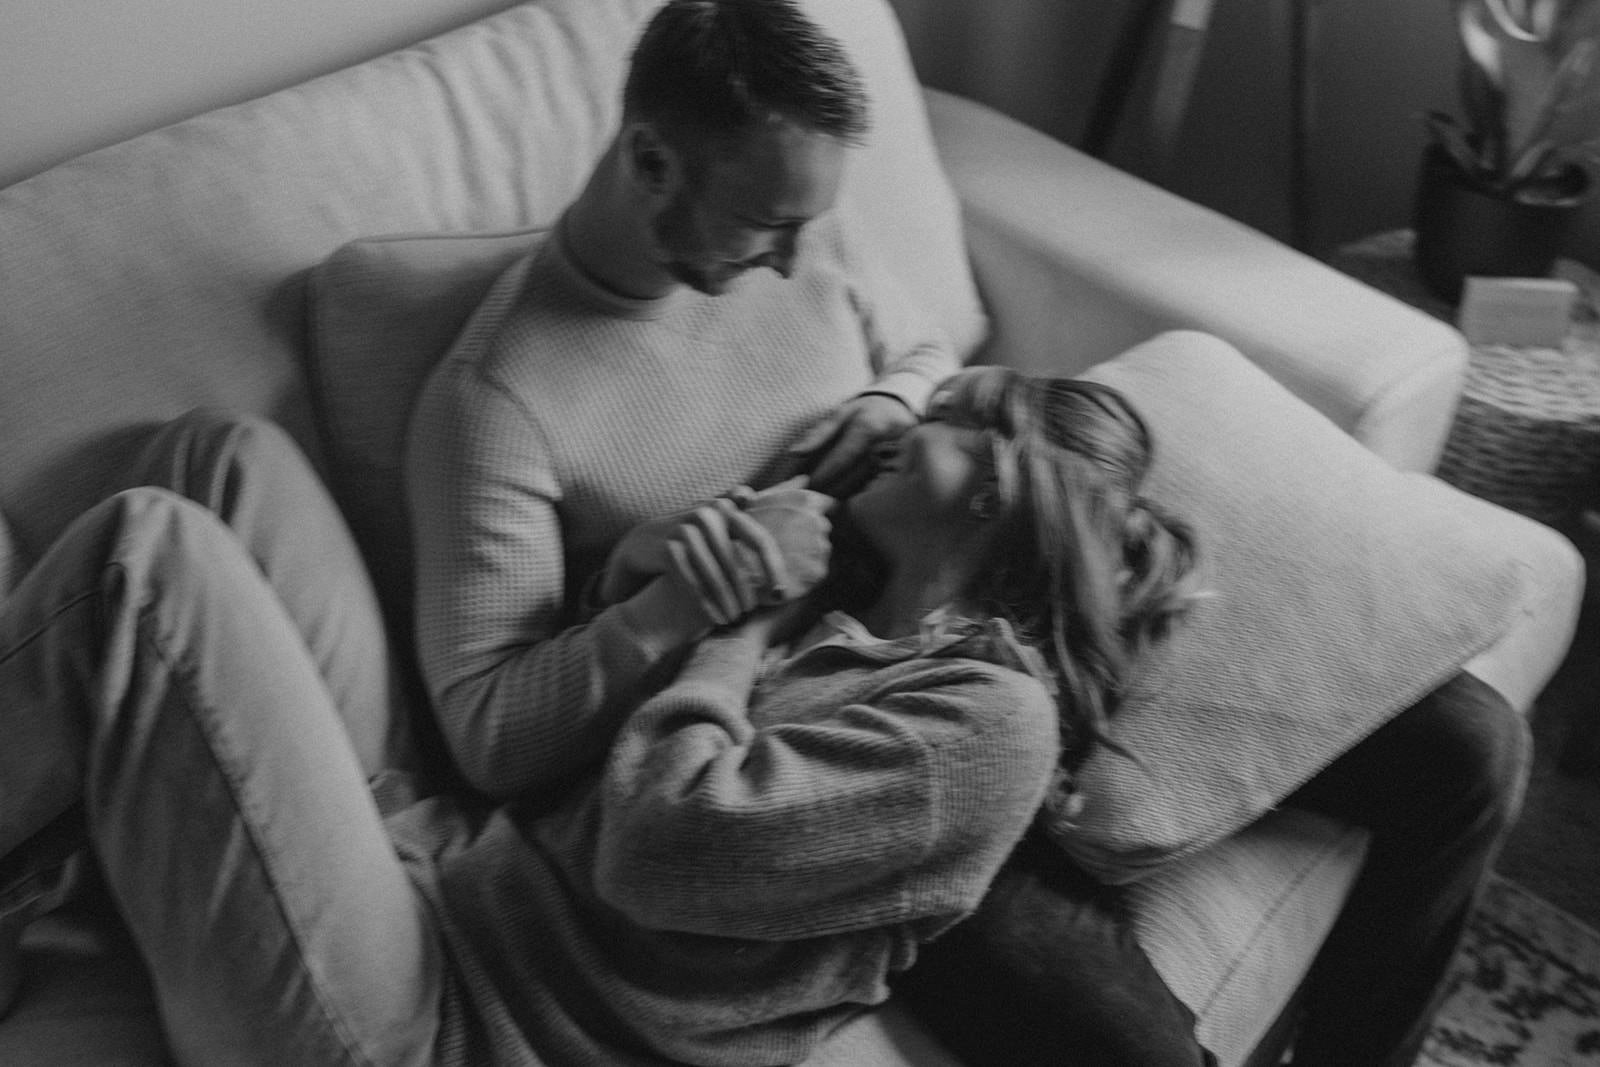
868	814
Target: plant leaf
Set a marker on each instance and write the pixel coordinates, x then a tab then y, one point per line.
1531	163
1480	44
1507	22
1560	94
1542	18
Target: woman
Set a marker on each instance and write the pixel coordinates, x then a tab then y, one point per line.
771	838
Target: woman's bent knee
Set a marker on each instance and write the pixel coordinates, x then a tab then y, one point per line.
1478	743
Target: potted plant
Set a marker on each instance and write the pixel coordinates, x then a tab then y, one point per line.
1499	185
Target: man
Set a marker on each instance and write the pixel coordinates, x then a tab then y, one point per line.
697	320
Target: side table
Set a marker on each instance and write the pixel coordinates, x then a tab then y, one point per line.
1527	430
1526	436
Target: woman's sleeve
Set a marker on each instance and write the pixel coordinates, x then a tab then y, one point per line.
524	702
868	815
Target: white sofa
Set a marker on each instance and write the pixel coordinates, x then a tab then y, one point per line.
172	270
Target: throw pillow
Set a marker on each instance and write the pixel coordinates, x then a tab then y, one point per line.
1341	591
383	311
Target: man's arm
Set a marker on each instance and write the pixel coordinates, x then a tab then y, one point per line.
524	701
909	356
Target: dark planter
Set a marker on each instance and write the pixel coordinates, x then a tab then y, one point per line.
1464	230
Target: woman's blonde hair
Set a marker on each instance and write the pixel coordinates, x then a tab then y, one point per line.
1087	571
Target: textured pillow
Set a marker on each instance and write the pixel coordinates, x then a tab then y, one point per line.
383	312
1342	591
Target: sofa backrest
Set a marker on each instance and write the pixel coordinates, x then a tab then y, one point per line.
169	271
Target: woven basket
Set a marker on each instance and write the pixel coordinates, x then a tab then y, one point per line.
1527	431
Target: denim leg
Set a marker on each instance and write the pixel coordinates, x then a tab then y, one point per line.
251	473
1048	972
1437	786
148	672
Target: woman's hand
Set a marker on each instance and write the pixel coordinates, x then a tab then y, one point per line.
724	561
797	518
730	554
642	554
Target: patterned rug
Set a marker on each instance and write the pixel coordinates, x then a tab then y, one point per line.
1524	989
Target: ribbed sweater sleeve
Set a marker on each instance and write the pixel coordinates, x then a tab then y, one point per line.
909	353
862	810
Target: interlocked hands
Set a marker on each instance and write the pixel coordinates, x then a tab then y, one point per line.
730	556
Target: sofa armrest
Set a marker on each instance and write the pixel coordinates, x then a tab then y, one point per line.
1532	649
1077	261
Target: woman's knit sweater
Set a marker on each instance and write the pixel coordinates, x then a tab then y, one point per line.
565	416
760	854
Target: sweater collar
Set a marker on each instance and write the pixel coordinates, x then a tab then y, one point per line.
591	291
939	633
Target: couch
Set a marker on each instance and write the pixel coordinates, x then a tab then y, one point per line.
194	265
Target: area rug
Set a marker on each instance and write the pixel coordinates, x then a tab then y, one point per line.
1524	989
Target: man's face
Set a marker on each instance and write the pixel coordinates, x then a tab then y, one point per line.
748	206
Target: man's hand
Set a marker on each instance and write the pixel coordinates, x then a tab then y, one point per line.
838	449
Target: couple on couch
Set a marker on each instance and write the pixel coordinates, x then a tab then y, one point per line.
730	764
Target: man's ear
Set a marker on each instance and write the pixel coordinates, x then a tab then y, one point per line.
652	163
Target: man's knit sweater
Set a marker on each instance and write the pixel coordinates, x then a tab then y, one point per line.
766	846
565	416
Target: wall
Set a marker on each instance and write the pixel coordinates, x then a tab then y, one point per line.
79	74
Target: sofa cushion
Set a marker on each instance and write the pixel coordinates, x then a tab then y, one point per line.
1340	591
1234	929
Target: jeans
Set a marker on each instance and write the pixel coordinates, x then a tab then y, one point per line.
1438	786
1048	970
194	682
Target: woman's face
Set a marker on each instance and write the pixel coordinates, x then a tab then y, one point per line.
925	484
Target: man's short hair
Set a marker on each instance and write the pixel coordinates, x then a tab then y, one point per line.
713	69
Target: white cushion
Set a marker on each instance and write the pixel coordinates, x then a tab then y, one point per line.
1341	589
383	311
